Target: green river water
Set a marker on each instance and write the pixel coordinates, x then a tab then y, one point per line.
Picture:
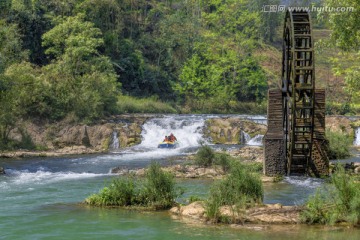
40	199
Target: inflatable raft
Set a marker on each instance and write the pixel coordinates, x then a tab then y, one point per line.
168	144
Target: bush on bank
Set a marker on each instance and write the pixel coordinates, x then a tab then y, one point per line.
207	157
239	190
156	191
339	202
339	144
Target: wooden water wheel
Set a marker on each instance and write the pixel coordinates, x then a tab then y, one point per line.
298	90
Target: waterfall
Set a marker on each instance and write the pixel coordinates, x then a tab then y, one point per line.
114	141
256	141
245	137
187	130
357	137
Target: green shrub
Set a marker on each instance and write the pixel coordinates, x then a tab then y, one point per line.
339	203
121	192
156	191
159	188
240	189
205	156
255	167
339	144
224	160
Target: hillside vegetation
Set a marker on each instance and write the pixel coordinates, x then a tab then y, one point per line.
87	59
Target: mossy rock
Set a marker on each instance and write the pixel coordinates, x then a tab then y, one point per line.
228	130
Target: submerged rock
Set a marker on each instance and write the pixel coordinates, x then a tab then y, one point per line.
2	170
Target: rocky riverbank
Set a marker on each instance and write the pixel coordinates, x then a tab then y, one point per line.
265	214
68	138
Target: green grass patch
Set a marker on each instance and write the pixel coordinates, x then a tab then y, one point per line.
156	191
239	190
340	202
217	107
205	156
128	104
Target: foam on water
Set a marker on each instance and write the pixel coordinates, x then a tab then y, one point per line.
16	177
255	141
305	182
357	137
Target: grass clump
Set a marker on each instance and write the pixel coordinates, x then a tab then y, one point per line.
239	190
224	160
159	188
205	156
339	144
128	104
156	191
339	203
121	192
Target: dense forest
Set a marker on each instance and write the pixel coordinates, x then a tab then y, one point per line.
86	59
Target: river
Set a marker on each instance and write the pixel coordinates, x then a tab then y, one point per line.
39	198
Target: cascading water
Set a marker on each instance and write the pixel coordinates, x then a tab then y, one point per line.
188	131
357	137
114	141
245	137
255	141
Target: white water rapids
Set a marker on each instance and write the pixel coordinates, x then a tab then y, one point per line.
357	137
187	129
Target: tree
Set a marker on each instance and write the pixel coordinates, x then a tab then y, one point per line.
269	21
345	34
11	46
82	79
11	52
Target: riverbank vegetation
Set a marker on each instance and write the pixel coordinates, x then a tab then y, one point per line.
339	202
207	157
239	190
156	191
90	58
241	186
339	144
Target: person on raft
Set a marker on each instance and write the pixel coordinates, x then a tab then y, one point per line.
170	138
